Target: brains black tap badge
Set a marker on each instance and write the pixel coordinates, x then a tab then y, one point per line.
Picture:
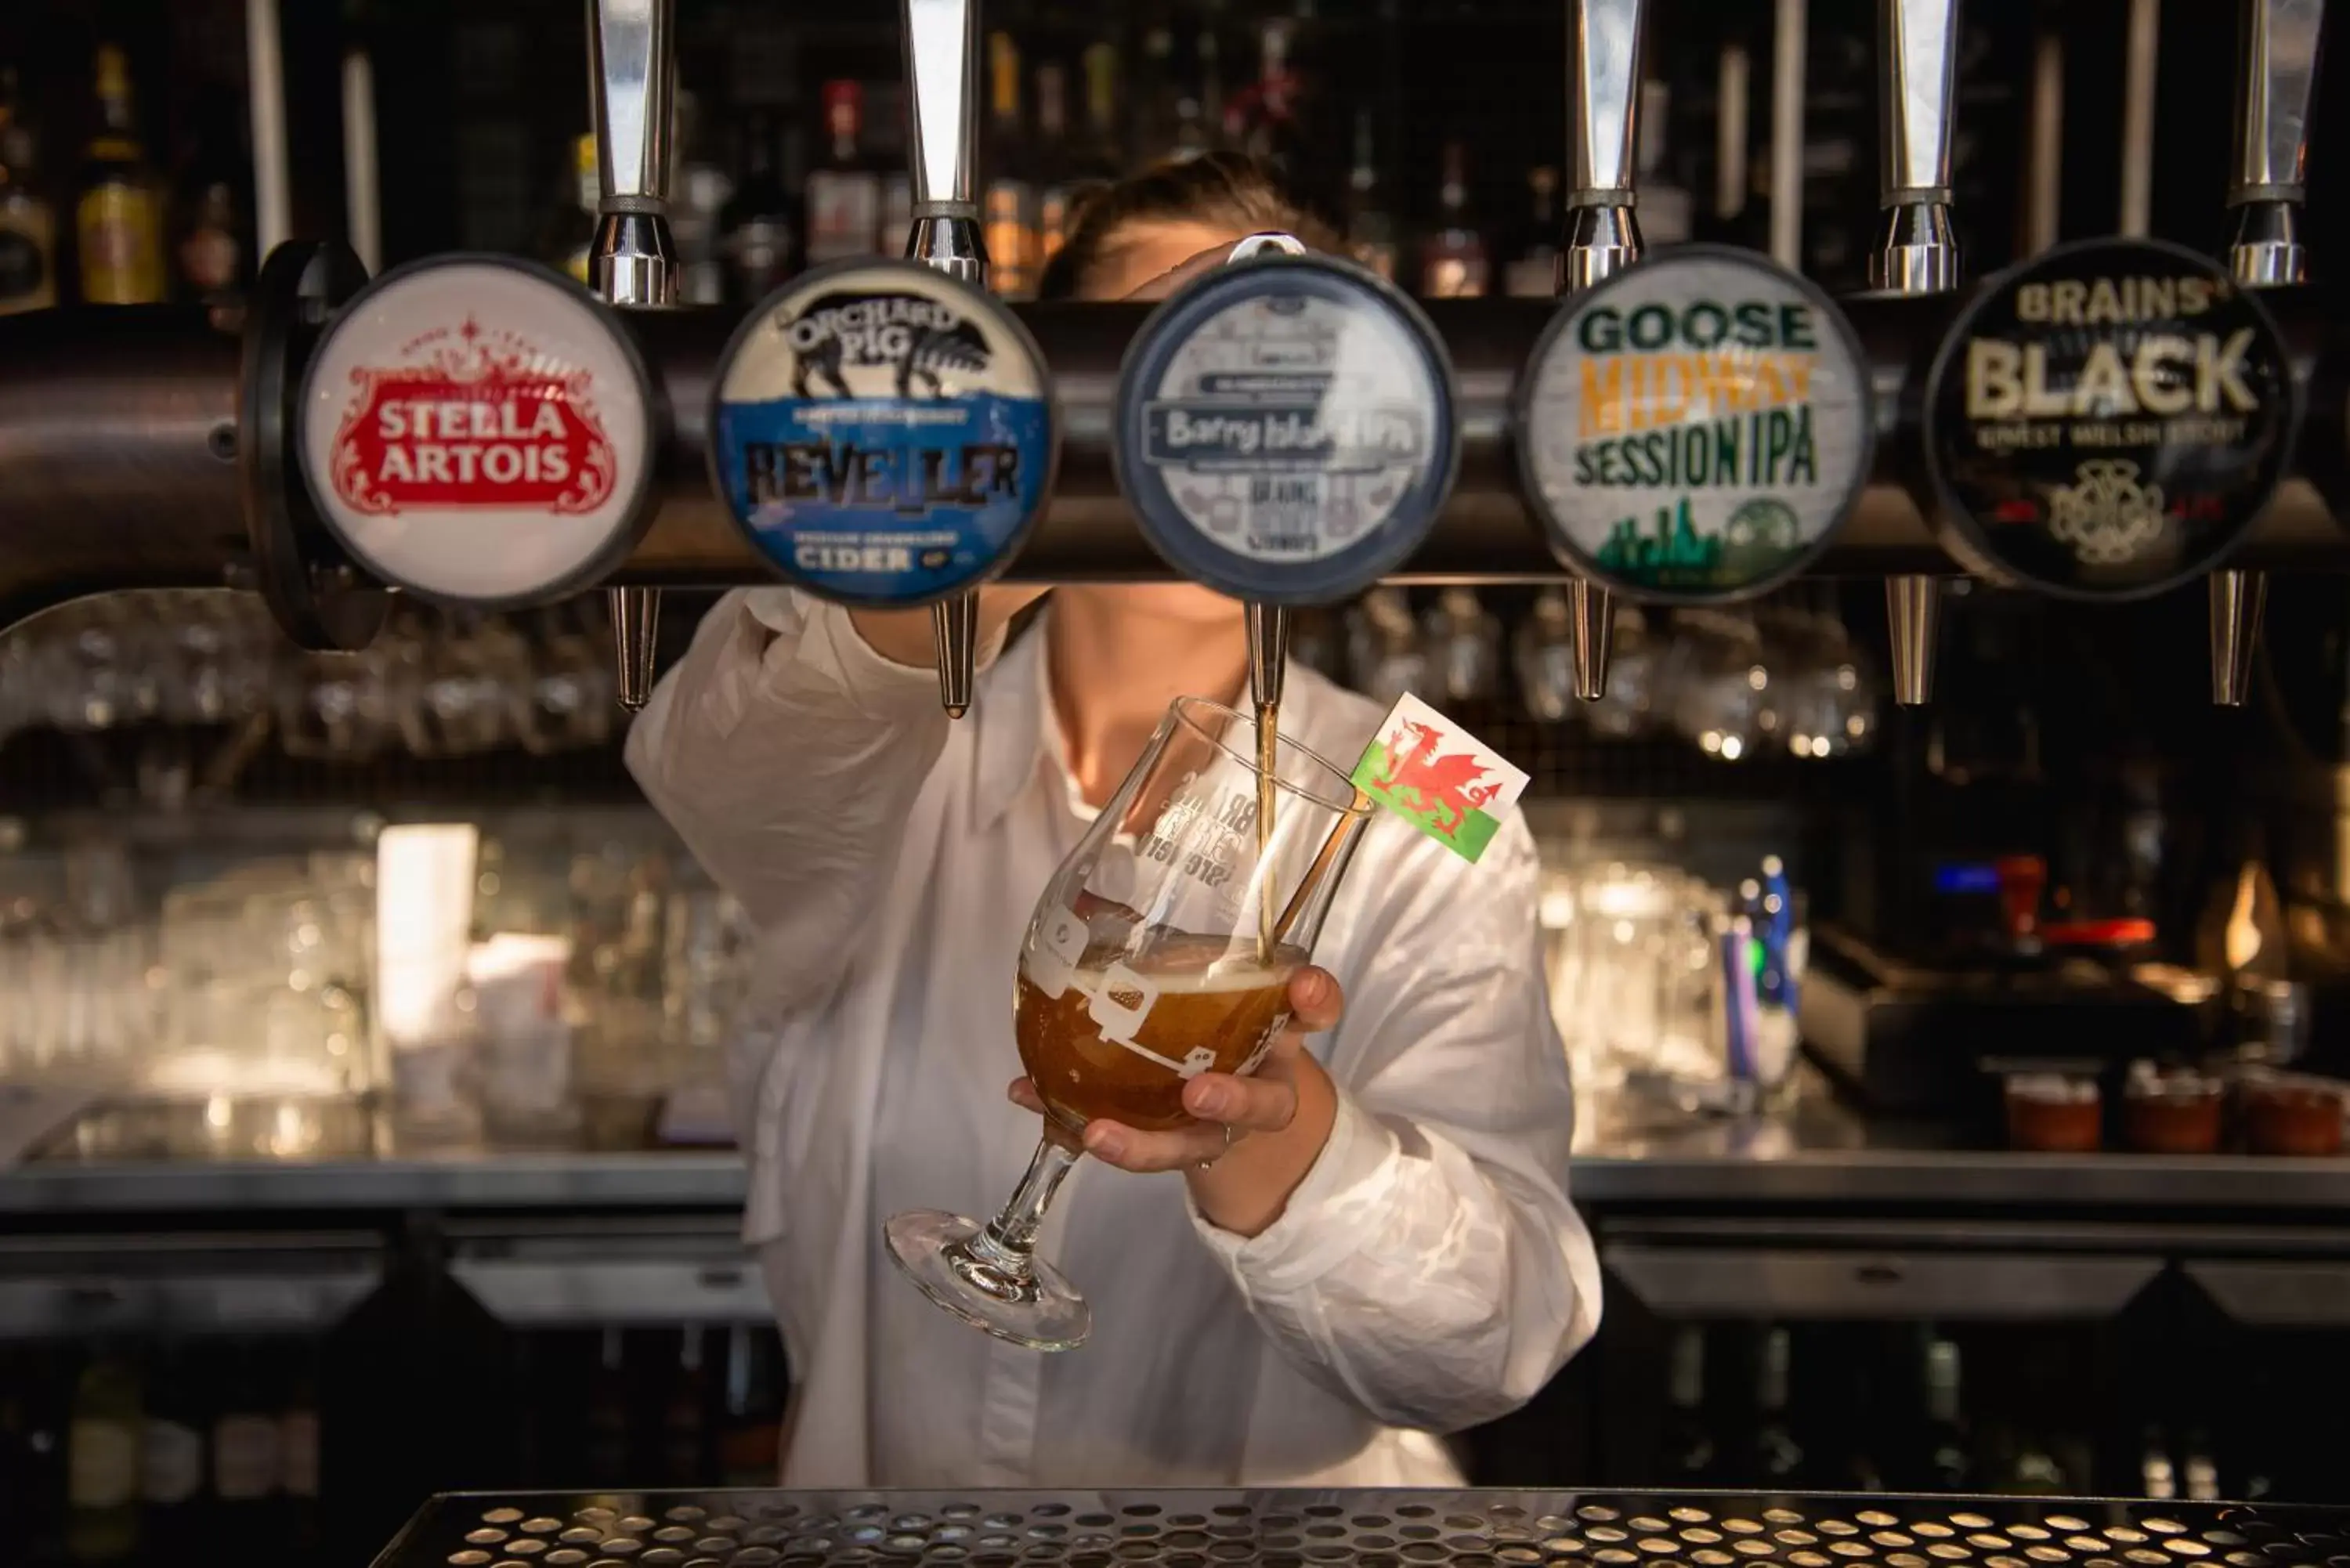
2107	419
883	434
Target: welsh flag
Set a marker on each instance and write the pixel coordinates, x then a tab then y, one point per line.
1439	777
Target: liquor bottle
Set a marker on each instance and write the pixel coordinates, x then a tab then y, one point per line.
1950	1461
1452	260
1102	158
1370	227
1688	1448
246	1449
844	192
102	1447
1667	209
1056	190
2157	1477
896	231
28	226
1775	1459
1010	204
212	247
1533	272
118	221
749	1440
172	1455
685	1416
568	236
1266	116
754	226
1209	123
702	190
1159	118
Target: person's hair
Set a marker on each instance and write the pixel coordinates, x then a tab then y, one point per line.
1228	190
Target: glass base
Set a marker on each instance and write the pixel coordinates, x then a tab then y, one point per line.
1042	1310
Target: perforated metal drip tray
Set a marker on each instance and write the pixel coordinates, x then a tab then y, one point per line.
1373	1529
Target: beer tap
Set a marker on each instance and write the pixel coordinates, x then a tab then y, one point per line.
1268	624
942	93
2276	75
633	265
1918	251
1603	233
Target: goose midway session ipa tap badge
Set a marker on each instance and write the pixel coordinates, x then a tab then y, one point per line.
1695	429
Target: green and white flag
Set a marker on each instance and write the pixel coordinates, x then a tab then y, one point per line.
1439	778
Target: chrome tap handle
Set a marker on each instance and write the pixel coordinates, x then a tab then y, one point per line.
942	111
2276	77
631	72
1918	251
2277	42
942	96
1603	235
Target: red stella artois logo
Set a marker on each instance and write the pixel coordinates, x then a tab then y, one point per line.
473	418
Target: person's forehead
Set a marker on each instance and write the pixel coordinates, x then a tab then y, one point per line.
1141	251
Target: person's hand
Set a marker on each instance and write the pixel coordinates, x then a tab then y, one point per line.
904	637
1254	1138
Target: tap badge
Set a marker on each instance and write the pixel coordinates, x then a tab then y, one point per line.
478	431
2107	419
1284	430
882	434
476	419
1695	429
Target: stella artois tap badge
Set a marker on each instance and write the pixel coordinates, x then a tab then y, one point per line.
2107	419
478	431
1695	429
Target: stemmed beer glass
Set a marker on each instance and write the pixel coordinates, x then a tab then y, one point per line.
1161	948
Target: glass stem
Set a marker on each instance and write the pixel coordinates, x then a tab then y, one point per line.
1009	1241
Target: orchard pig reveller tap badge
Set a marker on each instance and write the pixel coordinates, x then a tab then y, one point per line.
2107	419
882	434
478	431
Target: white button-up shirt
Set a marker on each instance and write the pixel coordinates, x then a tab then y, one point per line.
1428	1273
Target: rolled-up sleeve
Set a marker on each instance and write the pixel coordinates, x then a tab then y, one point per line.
1430	1267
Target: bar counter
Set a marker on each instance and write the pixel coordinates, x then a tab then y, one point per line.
1813	1150
1373	1529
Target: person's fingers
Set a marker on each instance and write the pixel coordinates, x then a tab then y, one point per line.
1024	1094
1263	1104
1315	1000
1178	1148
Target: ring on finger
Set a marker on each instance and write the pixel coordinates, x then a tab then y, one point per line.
1230	1132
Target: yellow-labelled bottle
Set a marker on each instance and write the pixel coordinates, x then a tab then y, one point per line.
119	222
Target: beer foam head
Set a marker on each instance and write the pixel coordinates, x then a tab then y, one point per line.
1239	972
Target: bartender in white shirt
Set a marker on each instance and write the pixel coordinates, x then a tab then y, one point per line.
1368	1245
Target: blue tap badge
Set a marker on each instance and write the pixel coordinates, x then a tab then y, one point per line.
1284	430
884	434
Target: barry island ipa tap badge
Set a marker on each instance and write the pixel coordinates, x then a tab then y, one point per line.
478	431
883	435
2107	419
1696	428
1284	430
